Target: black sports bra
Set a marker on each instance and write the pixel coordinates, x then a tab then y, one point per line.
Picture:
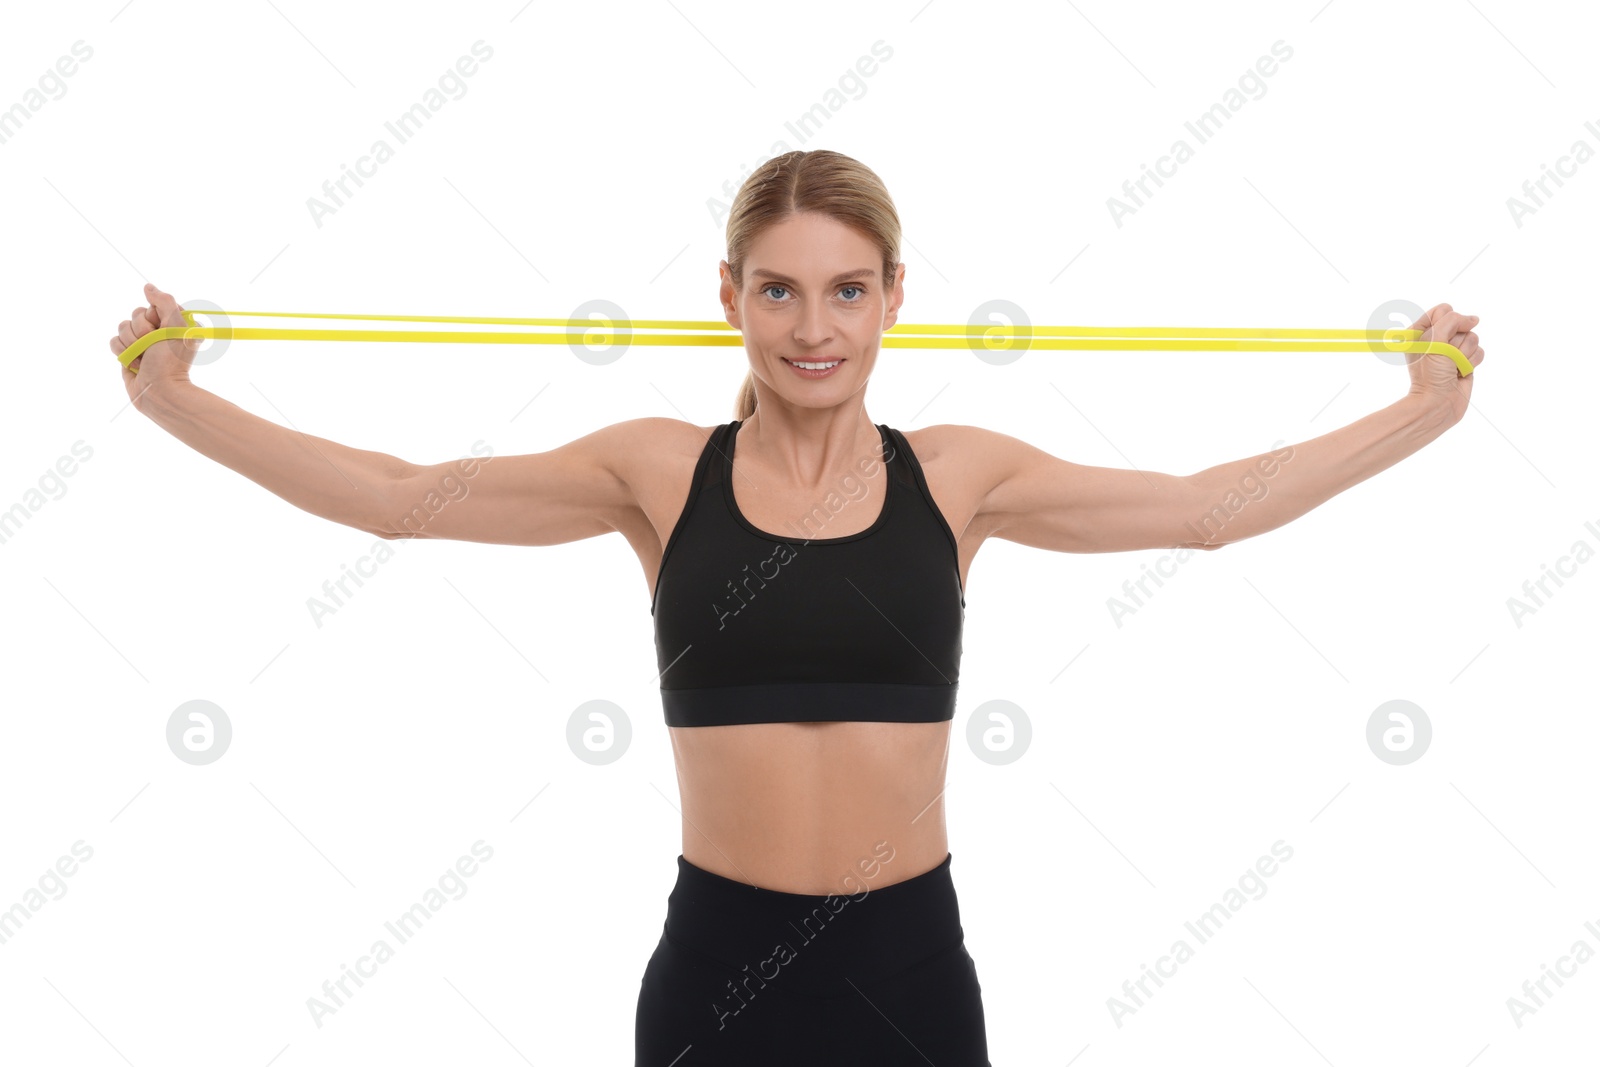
793	626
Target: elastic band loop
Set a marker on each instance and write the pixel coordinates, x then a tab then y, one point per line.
902	335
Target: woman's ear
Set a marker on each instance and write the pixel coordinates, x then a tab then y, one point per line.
730	305
897	296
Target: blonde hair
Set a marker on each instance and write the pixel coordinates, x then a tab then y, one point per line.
821	181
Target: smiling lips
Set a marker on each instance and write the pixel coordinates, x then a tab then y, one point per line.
814	368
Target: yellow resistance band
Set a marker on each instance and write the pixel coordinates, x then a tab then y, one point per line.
996	338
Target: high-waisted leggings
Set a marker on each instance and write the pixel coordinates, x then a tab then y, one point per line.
749	976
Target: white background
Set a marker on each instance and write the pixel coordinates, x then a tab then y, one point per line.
582	163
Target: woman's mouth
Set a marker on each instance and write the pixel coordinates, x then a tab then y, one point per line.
814	368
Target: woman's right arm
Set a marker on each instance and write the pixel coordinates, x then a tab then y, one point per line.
570	492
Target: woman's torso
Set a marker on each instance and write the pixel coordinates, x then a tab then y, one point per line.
798	806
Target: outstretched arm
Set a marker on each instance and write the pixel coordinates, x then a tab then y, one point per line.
580	489
1045	502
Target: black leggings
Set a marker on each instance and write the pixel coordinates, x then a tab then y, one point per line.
747	976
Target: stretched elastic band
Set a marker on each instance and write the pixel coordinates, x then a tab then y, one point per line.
717	334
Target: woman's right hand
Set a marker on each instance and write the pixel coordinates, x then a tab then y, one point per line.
163	362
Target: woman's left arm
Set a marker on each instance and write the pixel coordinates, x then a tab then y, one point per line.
1326	466
1040	500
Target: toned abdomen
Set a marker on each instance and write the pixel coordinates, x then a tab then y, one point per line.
803	807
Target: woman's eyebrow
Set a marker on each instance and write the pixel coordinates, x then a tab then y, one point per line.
864	272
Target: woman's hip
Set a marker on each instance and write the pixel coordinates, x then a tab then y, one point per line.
787	977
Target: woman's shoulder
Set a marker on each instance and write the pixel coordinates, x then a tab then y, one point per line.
644	450
968	446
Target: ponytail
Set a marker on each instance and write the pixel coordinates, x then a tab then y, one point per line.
744	405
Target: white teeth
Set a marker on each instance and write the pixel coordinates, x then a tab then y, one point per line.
816	366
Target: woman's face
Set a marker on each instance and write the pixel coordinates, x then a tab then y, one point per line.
813	293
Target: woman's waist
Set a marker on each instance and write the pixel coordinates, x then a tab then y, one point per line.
845	860
865	926
793	802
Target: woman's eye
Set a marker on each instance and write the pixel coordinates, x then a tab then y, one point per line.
767	290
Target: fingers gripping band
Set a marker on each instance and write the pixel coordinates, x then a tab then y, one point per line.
995	338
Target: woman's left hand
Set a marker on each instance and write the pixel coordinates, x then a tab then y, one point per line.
1436	378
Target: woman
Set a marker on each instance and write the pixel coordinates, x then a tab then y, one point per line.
807	569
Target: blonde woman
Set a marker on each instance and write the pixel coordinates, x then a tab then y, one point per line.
807	569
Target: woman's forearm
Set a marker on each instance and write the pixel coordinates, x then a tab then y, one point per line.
1246	497
344	484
